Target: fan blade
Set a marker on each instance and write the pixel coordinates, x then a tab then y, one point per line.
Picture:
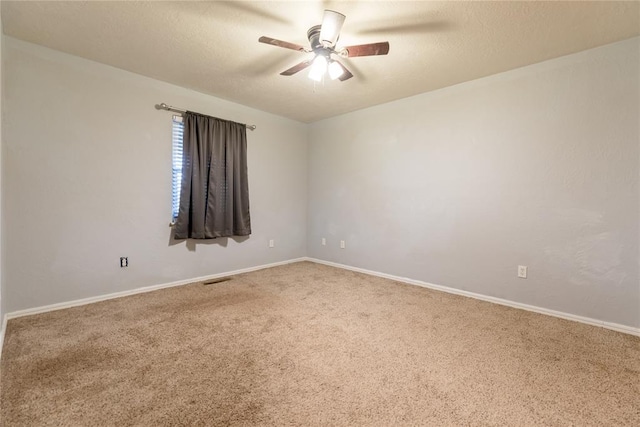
331	25
246	7
408	28
298	67
370	49
346	75
280	43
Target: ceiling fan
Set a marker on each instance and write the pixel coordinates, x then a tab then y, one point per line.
323	39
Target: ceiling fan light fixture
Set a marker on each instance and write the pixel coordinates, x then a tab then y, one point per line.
335	70
318	68
331	25
322	43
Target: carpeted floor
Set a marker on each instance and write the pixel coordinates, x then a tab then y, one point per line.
307	344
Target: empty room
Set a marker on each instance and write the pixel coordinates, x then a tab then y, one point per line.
346	213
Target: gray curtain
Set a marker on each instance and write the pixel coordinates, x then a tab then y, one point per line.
214	196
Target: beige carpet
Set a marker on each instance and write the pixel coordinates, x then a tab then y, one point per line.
307	344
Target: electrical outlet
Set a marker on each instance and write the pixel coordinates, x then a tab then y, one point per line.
124	261
342	244
272	243
324	242
522	271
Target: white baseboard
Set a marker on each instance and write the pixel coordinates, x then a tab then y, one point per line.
567	316
4	328
90	300
594	322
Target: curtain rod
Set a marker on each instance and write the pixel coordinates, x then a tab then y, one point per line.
164	106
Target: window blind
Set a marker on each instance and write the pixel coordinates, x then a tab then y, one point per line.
176	155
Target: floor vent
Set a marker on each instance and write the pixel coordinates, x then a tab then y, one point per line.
214	281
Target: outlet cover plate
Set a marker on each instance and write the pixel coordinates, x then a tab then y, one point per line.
522	271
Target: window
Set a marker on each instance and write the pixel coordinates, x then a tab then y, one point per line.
176	154
207	210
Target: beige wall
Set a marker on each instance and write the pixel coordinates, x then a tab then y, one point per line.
536	166
87	179
2	292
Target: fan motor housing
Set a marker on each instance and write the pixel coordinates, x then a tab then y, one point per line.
313	34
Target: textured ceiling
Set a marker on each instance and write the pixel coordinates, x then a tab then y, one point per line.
212	47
